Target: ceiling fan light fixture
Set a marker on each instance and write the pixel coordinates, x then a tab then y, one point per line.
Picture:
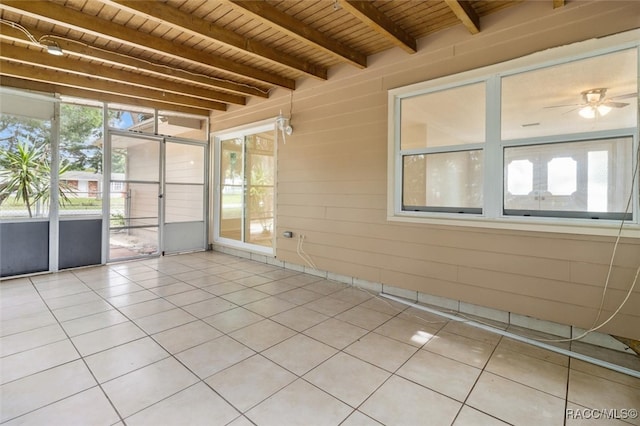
587	112
604	109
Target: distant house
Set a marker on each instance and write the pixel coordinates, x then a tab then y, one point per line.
89	185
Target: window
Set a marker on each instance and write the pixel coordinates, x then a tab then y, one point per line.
442	168
518	142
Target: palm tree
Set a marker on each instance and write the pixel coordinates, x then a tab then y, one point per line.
26	172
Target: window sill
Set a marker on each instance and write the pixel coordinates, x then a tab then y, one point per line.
529	224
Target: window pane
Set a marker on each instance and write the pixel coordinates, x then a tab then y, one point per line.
182	126
445	118
81	160
231	188
131	118
134	159
184	203
575	179
184	163
25	167
598	93
449	181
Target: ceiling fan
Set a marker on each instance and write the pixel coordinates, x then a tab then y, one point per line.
596	104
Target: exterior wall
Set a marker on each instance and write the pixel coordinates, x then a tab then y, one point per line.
332	182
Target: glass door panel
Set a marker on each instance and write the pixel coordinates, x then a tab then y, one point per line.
134	197
231	188
259	188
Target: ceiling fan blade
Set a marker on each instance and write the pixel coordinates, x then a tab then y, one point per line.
615	104
625	96
563	106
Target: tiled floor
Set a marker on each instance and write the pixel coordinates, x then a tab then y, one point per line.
211	339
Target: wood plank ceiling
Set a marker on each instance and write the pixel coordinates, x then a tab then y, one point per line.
198	56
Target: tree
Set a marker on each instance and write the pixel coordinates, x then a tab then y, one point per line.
80	127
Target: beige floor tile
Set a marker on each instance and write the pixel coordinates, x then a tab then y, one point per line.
79	311
119	290
269	306
186	336
197	405
515	403
250	382
605	373
9	310
353	294
144	309
471	417
400	402
462	329
241	421
247	295
213	356
386	353
27	323
32	392
299	296
299	404
338	334
123	359
233	319
409	332
364	318
25	363
253	280
75	299
299	318
542	375
595	392
460	348
164	320
131	298
223	288
329	305
189	297
533	351
451	378
209	307
359	419
386	306
347	378
154	282
275	287
105	338
325	287
31	339
171	289
89	407
299	353
262	335
628	360
144	387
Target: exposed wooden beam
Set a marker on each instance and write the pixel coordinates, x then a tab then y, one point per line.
70	18
14	69
558	3
77	48
19	83
162	13
267	14
465	12
379	22
40	58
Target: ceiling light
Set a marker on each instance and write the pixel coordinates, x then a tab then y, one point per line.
587	112
604	109
54	49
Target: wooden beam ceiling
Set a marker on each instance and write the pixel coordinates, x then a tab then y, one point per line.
465	12
269	15
166	14
74	92
558	3
379	22
14	69
70	18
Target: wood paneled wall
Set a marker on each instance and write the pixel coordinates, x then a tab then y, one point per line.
332	182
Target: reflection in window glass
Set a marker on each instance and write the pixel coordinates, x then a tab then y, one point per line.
131	118
449	181
520	177
445	118
182	126
590	179
598	93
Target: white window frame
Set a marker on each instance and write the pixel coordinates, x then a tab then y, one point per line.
492	215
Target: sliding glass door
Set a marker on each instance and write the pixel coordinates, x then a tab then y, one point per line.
246	188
